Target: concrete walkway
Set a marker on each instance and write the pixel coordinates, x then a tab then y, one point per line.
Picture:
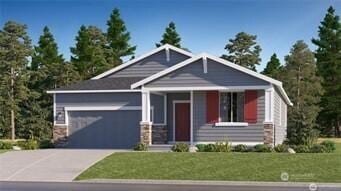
60	165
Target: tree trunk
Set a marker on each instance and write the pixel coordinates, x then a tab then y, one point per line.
12	109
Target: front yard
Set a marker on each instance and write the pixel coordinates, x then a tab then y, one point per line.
307	167
2	151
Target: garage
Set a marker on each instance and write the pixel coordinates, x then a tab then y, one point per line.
117	129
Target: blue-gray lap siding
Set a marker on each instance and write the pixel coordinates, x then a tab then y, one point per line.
150	65
203	132
157	103
94	99
280	118
217	75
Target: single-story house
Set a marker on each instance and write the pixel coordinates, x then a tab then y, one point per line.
170	95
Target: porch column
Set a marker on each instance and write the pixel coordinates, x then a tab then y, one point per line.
191	124
146	124
269	116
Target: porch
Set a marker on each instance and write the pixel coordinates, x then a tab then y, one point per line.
207	115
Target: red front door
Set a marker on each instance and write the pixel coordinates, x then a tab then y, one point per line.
182	122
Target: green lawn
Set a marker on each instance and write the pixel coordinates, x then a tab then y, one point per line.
218	166
2	151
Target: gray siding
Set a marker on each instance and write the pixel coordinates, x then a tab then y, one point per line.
150	65
217	75
280	116
93	99
170	98
157	102
203	132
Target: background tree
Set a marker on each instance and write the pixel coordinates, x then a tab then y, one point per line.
272	67
243	50
304	89
118	39
90	53
328	56
170	36
15	49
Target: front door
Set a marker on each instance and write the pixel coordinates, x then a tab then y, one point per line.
182	122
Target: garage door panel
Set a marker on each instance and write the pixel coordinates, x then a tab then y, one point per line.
104	129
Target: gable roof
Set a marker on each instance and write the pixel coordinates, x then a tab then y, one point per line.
133	61
105	84
277	83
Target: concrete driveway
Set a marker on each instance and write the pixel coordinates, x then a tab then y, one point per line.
61	165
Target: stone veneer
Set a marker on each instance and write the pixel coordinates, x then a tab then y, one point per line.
159	134
60	135
268	134
146	133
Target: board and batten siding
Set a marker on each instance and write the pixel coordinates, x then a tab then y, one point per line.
150	65
203	132
280	117
94	99
217	74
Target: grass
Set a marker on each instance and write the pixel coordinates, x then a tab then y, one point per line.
323	167
2	151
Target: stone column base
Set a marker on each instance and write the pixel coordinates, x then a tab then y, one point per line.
146	132
60	135
268	134
159	134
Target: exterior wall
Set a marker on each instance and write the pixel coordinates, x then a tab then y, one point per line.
157	102
93	99
280	116
170	98
217	75
203	132
150	65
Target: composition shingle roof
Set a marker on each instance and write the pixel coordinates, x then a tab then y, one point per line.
103	84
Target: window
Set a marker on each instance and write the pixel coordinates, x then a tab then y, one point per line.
231	107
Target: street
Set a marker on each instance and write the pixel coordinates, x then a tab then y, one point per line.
82	186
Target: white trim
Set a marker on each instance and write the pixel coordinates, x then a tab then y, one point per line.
101	108
167	55
204	62
145	106
191	118
269	106
219	60
175	102
232	143
54	109
206	88
130	62
90	91
231	124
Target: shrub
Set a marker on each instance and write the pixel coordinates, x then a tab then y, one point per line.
223	146
330	146
262	148
180	147
240	148
141	147
28	144
5	145
210	148
201	147
318	148
301	149
281	148
45	144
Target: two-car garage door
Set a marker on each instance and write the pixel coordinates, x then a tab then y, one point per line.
104	129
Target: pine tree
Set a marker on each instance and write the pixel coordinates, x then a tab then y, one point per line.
170	36
90	53
328	56
15	48
243	50
272	67
118	39
304	89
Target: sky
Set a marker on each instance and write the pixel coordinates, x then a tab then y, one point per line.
204	25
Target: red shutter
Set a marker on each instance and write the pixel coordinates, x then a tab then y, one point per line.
250	106
212	106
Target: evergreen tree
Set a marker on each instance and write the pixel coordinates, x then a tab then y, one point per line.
304	89
118	39
90	53
170	36
243	50
328	56
15	48
272	67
